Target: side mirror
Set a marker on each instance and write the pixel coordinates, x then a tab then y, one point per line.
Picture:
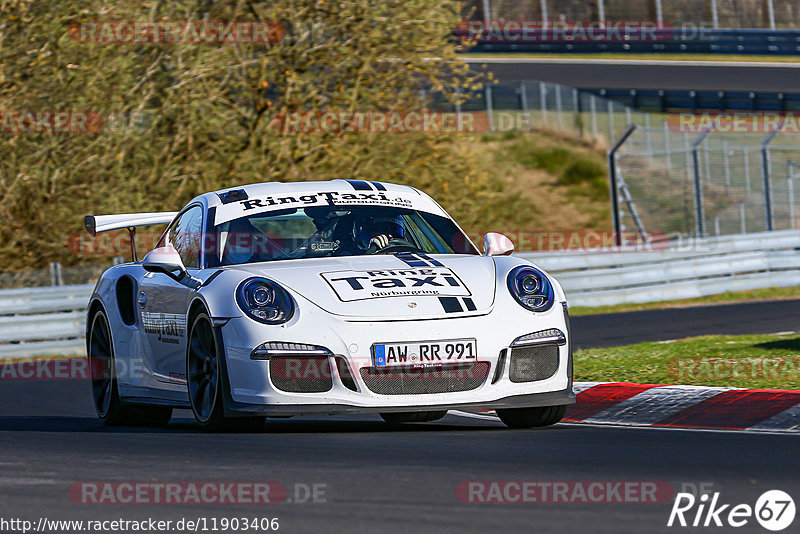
165	260
495	244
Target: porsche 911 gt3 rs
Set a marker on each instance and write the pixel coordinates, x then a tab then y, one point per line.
347	296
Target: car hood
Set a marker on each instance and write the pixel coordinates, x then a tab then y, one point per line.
389	287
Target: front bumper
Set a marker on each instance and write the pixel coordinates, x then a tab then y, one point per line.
249	389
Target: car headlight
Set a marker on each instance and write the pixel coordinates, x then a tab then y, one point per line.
531	288
265	301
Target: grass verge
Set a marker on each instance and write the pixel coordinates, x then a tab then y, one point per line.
729	297
760	361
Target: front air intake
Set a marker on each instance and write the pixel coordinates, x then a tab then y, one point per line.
421	380
301	374
533	362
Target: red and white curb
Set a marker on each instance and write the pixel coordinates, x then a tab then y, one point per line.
695	407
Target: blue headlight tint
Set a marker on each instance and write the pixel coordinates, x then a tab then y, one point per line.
531	288
264	301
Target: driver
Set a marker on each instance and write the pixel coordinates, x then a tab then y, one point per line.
372	233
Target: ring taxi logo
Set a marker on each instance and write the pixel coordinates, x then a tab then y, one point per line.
774	510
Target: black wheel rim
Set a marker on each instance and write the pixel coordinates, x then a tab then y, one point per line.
101	364
202	369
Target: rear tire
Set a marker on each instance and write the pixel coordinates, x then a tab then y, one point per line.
105	393
204	381
531	417
395	418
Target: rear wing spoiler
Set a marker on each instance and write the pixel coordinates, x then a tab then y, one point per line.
96	224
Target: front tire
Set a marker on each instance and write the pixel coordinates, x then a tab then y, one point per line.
105	393
205	380
531	417
395	418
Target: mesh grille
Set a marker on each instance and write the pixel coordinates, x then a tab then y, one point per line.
415	381
537	362
301	374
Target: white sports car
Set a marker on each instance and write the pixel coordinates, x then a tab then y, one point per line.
347	296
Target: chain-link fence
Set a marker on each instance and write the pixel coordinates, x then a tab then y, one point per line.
674	179
709	183
704	13
525	105
55	275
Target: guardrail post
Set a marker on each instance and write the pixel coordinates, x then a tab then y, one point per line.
612	182
765	173
56	279
699	212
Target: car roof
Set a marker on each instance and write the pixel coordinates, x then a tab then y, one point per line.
234	202
300	188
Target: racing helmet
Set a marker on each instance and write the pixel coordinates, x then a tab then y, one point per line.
365	227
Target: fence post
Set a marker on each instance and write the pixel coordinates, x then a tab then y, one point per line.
727	165
523	95
576	103
593	106
558	108
747	169
714	14
743	218
612	182
659	14
791	201
765	173
667	147
771	13
489	110
543	102
700	224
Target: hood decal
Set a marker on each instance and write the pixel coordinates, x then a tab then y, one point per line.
386	283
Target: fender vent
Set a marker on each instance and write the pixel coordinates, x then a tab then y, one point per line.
307	374
533	363
422	380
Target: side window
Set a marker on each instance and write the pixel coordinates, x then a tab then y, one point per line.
186	235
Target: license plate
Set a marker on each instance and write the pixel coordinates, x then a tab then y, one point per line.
424	352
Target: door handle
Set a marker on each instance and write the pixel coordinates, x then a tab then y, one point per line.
142	300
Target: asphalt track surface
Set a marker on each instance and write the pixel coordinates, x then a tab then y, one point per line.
386	479
667	75
610	330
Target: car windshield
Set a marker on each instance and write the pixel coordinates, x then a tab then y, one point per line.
325	231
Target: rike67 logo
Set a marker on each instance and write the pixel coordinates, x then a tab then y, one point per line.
774	510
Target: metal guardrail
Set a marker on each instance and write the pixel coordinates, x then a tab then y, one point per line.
50	321
668	40
43	320
663	100
695	268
